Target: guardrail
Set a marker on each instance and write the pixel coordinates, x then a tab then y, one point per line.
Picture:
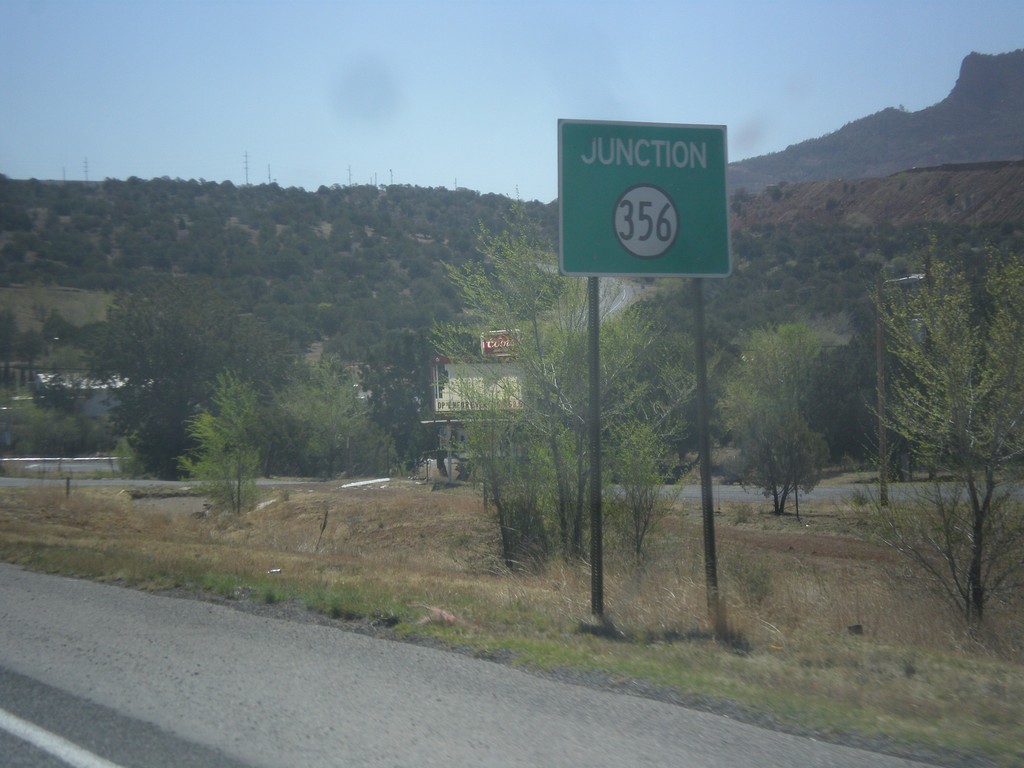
62	464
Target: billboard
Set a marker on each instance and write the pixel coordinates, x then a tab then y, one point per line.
462	388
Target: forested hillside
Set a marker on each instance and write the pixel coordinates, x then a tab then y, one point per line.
360	271
345	264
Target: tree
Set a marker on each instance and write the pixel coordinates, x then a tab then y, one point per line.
781	455
638	498
516	288
328	426
957	397
841	396
513	465
393	375
764	406
30	346
162	349
228	437
8	335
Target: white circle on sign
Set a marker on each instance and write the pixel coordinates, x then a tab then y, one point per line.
646	221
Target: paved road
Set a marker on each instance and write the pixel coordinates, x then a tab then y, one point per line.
721	493
24	481
43	726
145	680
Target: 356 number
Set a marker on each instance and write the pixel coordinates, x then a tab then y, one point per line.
646	221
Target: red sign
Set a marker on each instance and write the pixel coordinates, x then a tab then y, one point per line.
497	344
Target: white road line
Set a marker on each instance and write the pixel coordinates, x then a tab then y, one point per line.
72	754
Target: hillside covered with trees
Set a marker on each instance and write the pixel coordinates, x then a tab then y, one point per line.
346	264
361	273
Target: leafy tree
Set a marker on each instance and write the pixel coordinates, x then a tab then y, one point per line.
30	346
8	336
399	392
328	425
842	392
56	327
764	405
781	455
514	466
516	288
162	349
60	393
638	498
227	454
958	399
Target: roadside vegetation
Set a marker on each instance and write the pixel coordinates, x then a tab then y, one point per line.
832	639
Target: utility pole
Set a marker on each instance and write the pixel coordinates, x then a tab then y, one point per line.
883	448
883	445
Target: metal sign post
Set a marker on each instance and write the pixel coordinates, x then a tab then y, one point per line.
715	607
594	427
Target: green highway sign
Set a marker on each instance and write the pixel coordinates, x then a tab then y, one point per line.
642	200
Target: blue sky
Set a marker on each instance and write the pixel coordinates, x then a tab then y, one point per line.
449	91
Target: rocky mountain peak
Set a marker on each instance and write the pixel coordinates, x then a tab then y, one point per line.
990	82
981	120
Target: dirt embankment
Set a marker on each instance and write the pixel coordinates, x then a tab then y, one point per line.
975	194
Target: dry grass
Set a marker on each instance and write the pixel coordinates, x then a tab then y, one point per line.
428	561
33	305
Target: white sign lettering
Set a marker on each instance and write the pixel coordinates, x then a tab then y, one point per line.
658	153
